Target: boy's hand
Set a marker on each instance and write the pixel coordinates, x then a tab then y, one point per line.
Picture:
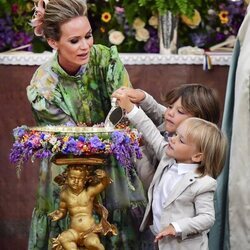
123	100
168	231
135	95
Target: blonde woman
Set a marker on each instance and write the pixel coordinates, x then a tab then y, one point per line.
75	87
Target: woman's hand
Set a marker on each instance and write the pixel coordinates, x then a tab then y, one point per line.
168	231
135	95
123	100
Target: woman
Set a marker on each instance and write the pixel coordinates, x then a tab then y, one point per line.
75	87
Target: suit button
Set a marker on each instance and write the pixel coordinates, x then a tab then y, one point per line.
190	179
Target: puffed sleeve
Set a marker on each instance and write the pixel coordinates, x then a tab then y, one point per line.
40	93
113	70
117	71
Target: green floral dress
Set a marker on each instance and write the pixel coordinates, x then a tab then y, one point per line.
58	98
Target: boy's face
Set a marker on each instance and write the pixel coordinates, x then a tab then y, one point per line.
174	115
75	180
181	148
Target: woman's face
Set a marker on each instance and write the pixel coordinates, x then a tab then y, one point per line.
75	44
174	115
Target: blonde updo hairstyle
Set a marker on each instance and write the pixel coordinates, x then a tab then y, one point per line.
50	15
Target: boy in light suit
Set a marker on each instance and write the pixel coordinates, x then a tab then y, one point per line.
183	101
180	210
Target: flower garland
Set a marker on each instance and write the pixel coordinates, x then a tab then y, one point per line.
33	144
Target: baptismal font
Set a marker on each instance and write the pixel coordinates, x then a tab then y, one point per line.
81	152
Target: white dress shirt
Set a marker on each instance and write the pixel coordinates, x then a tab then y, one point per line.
170	177
163	188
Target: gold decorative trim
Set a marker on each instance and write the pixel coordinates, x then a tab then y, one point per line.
73	129
79	160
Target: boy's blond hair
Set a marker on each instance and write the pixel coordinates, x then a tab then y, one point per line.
210	141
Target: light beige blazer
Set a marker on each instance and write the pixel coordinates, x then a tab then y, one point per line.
191	204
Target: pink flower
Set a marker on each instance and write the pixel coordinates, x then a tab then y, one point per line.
119	10
38	18
14	8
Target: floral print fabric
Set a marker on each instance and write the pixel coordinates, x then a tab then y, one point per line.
58	98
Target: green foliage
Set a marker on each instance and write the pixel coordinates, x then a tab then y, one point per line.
16	31
182	7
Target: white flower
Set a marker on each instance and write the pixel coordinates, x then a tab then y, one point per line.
53	140
211	12
116	37
138	23
142	35
46	136
153	21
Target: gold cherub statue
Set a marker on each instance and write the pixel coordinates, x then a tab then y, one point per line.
78	199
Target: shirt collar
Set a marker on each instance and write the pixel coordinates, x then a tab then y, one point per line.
184	168
59	70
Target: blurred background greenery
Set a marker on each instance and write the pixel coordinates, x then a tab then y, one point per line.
131	25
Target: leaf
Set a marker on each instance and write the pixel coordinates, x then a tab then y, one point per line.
93	85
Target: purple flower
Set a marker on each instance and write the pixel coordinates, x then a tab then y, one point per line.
20	38
123	149
152	45
19	132
95	142
81	138
16	152
219	37
70	124
124	145
199	39
42	154
117	137
70	146
43	136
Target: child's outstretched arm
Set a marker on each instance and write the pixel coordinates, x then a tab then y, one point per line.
135	95
149	105
142	122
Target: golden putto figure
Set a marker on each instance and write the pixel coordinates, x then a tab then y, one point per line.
78	198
